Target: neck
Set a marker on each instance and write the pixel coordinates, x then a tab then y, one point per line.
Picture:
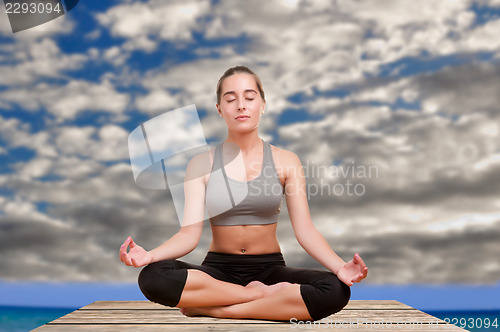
246	141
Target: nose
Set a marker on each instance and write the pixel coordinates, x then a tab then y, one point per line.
241	104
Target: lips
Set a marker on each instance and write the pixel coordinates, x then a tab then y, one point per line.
242	117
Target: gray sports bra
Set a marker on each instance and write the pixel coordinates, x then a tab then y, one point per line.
233	202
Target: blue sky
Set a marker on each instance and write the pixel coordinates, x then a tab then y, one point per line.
408	88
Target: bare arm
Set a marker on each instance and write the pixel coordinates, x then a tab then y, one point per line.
306	233
188	237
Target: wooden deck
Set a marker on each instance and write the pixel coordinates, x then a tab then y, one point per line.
148	316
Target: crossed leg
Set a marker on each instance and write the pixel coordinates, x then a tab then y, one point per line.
282	293
201	289
285	304
207	296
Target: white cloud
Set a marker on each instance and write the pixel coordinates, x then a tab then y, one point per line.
319	52
390	14
116	56
139	21
80	96
23	210
105	144
482	38
156	102
74	140
385	93
360	119
71	152
112	144
35	168
464	221
65	102
29	61
451	89
490	3
74	168
17	134
33	54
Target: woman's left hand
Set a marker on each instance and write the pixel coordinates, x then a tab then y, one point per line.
353	271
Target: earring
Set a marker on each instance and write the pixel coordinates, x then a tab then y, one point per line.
220	115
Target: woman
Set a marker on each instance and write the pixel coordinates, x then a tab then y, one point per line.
243	274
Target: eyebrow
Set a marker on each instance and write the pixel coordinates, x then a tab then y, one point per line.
233	93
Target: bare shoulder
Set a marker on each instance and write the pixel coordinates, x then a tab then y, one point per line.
200	165
284	157
203	156
286	162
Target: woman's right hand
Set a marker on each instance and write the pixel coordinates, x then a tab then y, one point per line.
137	256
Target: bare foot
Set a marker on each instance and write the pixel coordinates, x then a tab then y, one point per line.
268	289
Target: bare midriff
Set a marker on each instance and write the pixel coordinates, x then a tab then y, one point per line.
245	239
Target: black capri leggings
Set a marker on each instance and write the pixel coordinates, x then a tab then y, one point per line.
323	293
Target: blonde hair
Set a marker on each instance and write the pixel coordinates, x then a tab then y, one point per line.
237	70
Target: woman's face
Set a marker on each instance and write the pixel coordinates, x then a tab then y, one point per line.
241	104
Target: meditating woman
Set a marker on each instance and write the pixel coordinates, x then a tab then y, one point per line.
244	275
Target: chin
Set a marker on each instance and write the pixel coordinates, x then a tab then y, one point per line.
242	130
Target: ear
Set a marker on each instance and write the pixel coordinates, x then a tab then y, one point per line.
263	107
218	109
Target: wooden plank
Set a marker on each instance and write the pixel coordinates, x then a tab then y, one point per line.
375	305
118	305
147	305
170	316
228	328
145	315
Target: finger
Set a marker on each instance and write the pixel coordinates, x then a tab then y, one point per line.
358	278
126	259
124	246
132	243
348	282
134	263
120	255
123	250
363	274
358	260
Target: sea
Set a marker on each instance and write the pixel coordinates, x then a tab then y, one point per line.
473	320
17	319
